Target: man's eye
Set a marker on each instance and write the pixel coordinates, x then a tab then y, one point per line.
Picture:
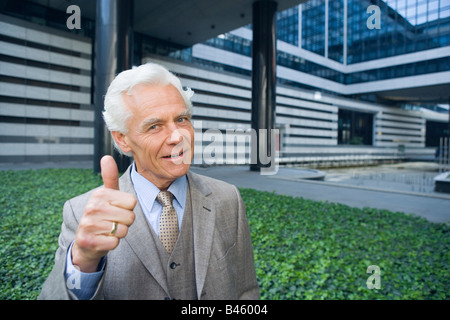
181	119
153	127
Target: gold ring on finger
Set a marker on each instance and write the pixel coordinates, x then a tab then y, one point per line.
113	229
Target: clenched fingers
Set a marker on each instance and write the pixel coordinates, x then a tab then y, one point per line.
114	197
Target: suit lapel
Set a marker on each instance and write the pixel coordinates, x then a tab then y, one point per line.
140	239
203	217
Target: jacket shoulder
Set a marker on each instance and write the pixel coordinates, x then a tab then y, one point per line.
210	185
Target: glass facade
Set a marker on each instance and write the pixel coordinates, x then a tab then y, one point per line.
340	31
313	26
336	30
230	42
404	70
317	26
406	26
287	26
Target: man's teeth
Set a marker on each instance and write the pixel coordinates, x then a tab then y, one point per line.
175	155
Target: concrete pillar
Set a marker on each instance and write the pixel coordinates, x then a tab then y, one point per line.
263	80
113	54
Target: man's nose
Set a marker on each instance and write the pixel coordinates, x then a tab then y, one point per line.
175	135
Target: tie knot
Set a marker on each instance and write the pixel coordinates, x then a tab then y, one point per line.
165	198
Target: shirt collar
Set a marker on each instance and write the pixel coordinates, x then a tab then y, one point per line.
147	191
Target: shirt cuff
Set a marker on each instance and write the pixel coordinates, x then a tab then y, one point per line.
83	285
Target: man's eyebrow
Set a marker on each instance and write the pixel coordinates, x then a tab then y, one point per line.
186	112
149	122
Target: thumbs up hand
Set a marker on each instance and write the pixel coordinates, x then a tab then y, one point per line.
106	218
110	173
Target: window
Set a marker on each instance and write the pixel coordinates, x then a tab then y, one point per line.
355	128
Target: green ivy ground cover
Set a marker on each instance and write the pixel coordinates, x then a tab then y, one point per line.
303	249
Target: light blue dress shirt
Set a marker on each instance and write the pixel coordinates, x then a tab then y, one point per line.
146	193
82	284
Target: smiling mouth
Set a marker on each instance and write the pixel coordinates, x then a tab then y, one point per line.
174	155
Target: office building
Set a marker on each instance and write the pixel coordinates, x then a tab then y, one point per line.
357	81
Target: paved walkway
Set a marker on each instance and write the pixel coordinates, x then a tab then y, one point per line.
402	187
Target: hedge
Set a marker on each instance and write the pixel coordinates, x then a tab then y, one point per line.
317	250
303	249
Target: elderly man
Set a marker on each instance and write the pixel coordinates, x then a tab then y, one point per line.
160	231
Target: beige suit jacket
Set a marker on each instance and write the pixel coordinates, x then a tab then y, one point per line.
223	254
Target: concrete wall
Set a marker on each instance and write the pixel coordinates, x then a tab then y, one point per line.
45	94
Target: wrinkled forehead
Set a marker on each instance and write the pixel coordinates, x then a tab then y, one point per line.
145	96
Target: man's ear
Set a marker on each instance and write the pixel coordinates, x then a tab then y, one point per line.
121	141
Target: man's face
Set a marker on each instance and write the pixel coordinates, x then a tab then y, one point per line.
160	133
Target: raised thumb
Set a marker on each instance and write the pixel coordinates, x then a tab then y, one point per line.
110	173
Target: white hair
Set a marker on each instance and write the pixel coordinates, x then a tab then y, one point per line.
116	112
